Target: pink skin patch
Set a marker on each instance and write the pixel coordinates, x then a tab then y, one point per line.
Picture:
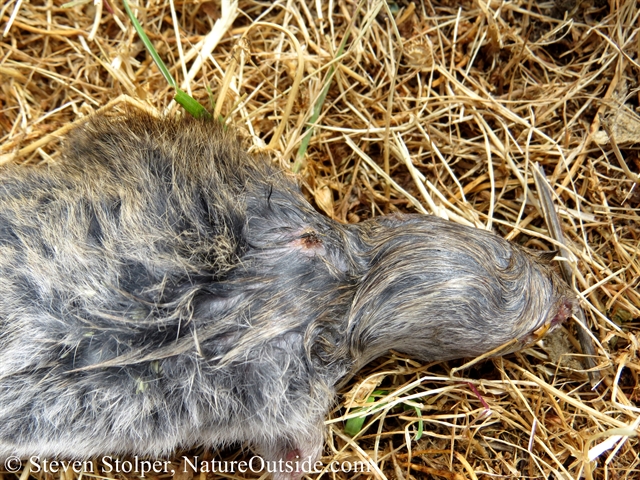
293	456
565	309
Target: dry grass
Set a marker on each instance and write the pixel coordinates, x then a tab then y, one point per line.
440	107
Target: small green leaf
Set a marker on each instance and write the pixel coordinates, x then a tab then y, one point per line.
354	425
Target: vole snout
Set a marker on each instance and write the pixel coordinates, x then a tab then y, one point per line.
437	291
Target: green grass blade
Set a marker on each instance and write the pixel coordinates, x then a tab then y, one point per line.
191	105
420	424
316	113
317	108
149	46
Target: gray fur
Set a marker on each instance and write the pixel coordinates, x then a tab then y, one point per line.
163	289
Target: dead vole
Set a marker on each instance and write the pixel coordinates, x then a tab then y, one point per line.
161	288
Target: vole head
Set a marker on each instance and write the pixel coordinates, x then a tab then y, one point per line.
436	290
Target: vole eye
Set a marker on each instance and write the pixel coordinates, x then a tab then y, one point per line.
309	243
311	240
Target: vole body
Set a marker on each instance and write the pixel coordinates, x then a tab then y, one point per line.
162	289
